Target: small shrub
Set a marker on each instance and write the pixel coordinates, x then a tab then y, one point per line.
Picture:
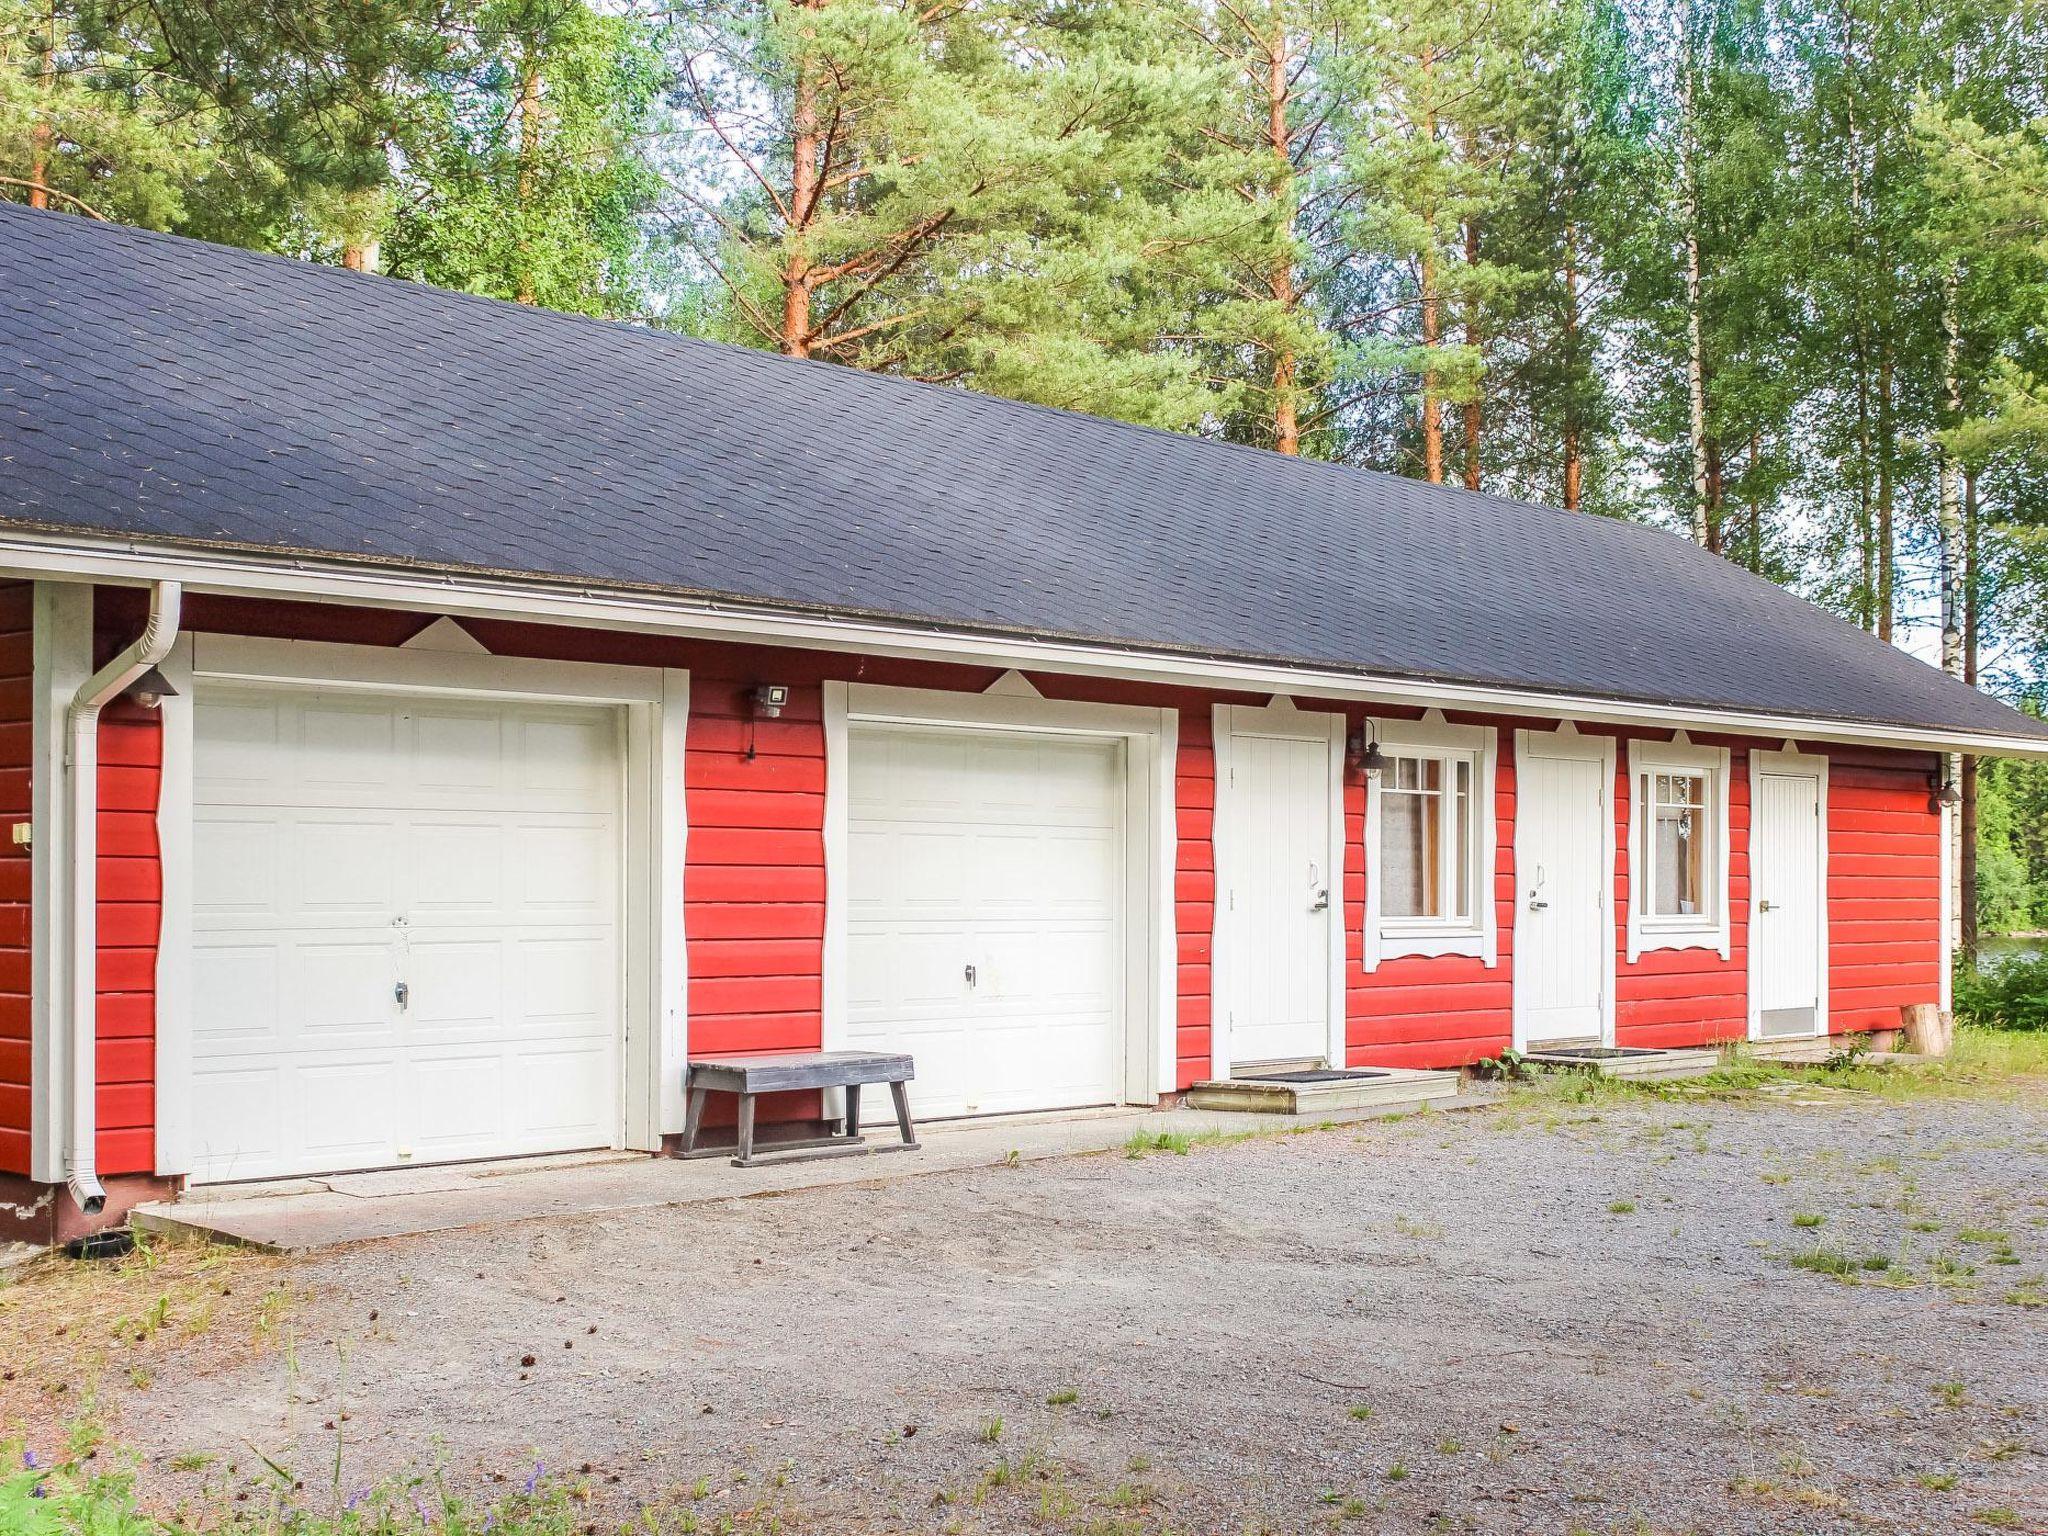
2013	995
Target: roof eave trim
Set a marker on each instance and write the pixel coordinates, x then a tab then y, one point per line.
26	554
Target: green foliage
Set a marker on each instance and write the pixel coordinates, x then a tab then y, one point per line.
524	173
74	1498
2012	995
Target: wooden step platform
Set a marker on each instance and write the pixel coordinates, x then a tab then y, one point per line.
1314	1091
1633	1063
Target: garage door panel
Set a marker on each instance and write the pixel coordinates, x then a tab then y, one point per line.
336	991
234	864
455	1102
348	843
341	867
547	1114
235	995
461	866
1001	852
565	980
458	750
345	745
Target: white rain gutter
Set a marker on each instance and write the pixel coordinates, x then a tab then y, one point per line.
484	595
82	760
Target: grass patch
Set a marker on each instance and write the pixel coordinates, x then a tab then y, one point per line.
1062	1398
1986	1063
1937	1482
1620	1207
1361	1411
1807	1220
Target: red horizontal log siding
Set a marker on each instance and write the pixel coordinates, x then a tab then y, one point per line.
130	894
1678	997
17	667
1884	887
755	884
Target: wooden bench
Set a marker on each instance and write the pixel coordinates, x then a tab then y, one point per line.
788	1071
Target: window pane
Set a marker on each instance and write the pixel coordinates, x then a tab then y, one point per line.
1676	851
1408	854
1461	841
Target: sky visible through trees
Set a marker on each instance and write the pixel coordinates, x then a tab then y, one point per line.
1771	273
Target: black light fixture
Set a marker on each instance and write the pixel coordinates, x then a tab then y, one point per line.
151	689
1942	791
1362	749
764	702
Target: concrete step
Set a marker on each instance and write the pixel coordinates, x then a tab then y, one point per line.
1269	1094
1797	1048
1635	1065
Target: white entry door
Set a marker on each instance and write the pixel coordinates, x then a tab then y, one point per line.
1785	923
1282	897
405	930
984	902
1564	932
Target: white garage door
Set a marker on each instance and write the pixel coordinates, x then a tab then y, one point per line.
405	930
983	915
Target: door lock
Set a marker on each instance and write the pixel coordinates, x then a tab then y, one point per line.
970	974
1765	906
1321	903
403	992
1538	904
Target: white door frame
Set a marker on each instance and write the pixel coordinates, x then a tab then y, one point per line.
1567	742
1151	739
1796	764
1226	970
653	954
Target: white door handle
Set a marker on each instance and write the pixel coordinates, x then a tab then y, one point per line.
1538	904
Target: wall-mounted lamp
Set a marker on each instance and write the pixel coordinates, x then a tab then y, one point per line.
151	689
1942	791
765	701
1362	750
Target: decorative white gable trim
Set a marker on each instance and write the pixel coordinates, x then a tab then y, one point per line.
1013	685
445	634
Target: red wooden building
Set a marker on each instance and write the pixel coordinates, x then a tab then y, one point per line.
428	722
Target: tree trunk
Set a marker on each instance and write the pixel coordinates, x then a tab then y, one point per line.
804	138
42	135
1886	428
1432	331
1949	530
1695	347
529	169
1475	339
1432	405
1713	501
1968	862
1286	414
1574	468
1756	506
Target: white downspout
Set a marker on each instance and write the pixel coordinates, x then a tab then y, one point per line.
82	758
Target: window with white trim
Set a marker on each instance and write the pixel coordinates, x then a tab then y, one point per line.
1429	837
1426	839
1678	847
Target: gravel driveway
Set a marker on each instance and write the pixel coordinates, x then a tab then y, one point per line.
1550	1318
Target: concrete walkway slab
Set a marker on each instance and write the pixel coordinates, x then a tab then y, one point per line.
300	1215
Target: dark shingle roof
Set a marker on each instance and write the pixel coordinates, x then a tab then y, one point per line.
161	387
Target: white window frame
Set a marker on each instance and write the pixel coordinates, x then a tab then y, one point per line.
1478	936
1706	930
